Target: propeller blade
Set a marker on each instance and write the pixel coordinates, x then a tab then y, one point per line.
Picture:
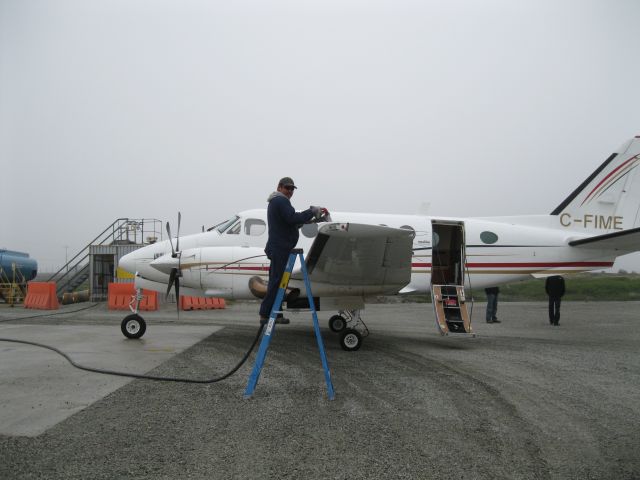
178	234
176	273
173	252
178	293
172	278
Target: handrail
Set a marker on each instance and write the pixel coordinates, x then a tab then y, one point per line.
114	232
92	242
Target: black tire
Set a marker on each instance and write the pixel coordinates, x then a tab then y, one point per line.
133	326
350	340
337	323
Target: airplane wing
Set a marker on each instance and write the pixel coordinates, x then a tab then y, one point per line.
372	258
625	240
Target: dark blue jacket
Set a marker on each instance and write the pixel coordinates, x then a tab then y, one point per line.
554	286
283	222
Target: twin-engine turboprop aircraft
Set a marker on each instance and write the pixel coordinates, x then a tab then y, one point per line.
354	256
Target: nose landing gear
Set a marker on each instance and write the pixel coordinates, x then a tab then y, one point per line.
133	326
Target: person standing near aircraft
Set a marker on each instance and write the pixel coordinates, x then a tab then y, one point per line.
554	287
283	222
492	304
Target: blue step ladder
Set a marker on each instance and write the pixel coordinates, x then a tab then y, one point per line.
268	333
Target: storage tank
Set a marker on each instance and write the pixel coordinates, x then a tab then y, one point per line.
25	268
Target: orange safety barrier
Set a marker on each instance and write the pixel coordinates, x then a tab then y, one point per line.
120	295
41	296
201	303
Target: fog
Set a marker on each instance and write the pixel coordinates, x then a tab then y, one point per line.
141	109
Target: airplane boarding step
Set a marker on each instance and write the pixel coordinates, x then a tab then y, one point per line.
450	308
269	329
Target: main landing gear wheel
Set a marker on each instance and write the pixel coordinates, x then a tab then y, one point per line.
350	340
337	323
133	326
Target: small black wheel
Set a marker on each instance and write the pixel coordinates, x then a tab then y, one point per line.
133	326
350	340
337	323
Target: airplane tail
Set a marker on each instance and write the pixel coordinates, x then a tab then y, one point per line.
609	200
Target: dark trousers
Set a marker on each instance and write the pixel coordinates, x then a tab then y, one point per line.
492	306
279	260
554	310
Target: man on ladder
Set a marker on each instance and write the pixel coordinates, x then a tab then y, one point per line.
284	223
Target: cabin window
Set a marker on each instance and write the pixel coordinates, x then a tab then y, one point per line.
254	227
309	230
488	237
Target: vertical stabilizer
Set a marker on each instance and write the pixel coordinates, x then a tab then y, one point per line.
609	200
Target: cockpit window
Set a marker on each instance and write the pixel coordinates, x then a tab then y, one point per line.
234	229
254	227
221	227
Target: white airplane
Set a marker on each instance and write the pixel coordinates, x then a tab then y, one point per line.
353	256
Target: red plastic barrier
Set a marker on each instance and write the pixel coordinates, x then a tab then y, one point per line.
201	303
41	296
120	296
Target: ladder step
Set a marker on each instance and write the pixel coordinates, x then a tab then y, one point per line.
451	309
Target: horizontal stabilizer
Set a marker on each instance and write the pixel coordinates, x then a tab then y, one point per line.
625	240
357	255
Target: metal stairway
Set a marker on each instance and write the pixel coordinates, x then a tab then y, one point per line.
123	231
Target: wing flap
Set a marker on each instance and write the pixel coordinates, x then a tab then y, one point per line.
625	240
358	255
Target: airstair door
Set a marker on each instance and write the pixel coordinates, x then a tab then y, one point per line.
447	277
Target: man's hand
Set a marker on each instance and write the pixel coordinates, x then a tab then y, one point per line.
319	212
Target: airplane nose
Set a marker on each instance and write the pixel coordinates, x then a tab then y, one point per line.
128	263
165	263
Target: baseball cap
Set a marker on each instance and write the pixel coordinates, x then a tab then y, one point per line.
287	182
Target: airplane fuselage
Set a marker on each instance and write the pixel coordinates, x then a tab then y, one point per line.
495	251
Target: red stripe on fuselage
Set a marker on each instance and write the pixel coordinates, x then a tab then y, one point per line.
527	264
225	269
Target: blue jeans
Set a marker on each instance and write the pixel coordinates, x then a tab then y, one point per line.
278	264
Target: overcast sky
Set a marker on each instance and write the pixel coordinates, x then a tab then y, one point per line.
141	109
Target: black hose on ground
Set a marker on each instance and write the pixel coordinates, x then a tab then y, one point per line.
142	376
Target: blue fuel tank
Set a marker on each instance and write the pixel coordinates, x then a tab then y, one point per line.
25	268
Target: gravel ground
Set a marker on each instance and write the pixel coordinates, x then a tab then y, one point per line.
522	400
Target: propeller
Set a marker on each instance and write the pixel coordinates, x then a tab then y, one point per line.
176	273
